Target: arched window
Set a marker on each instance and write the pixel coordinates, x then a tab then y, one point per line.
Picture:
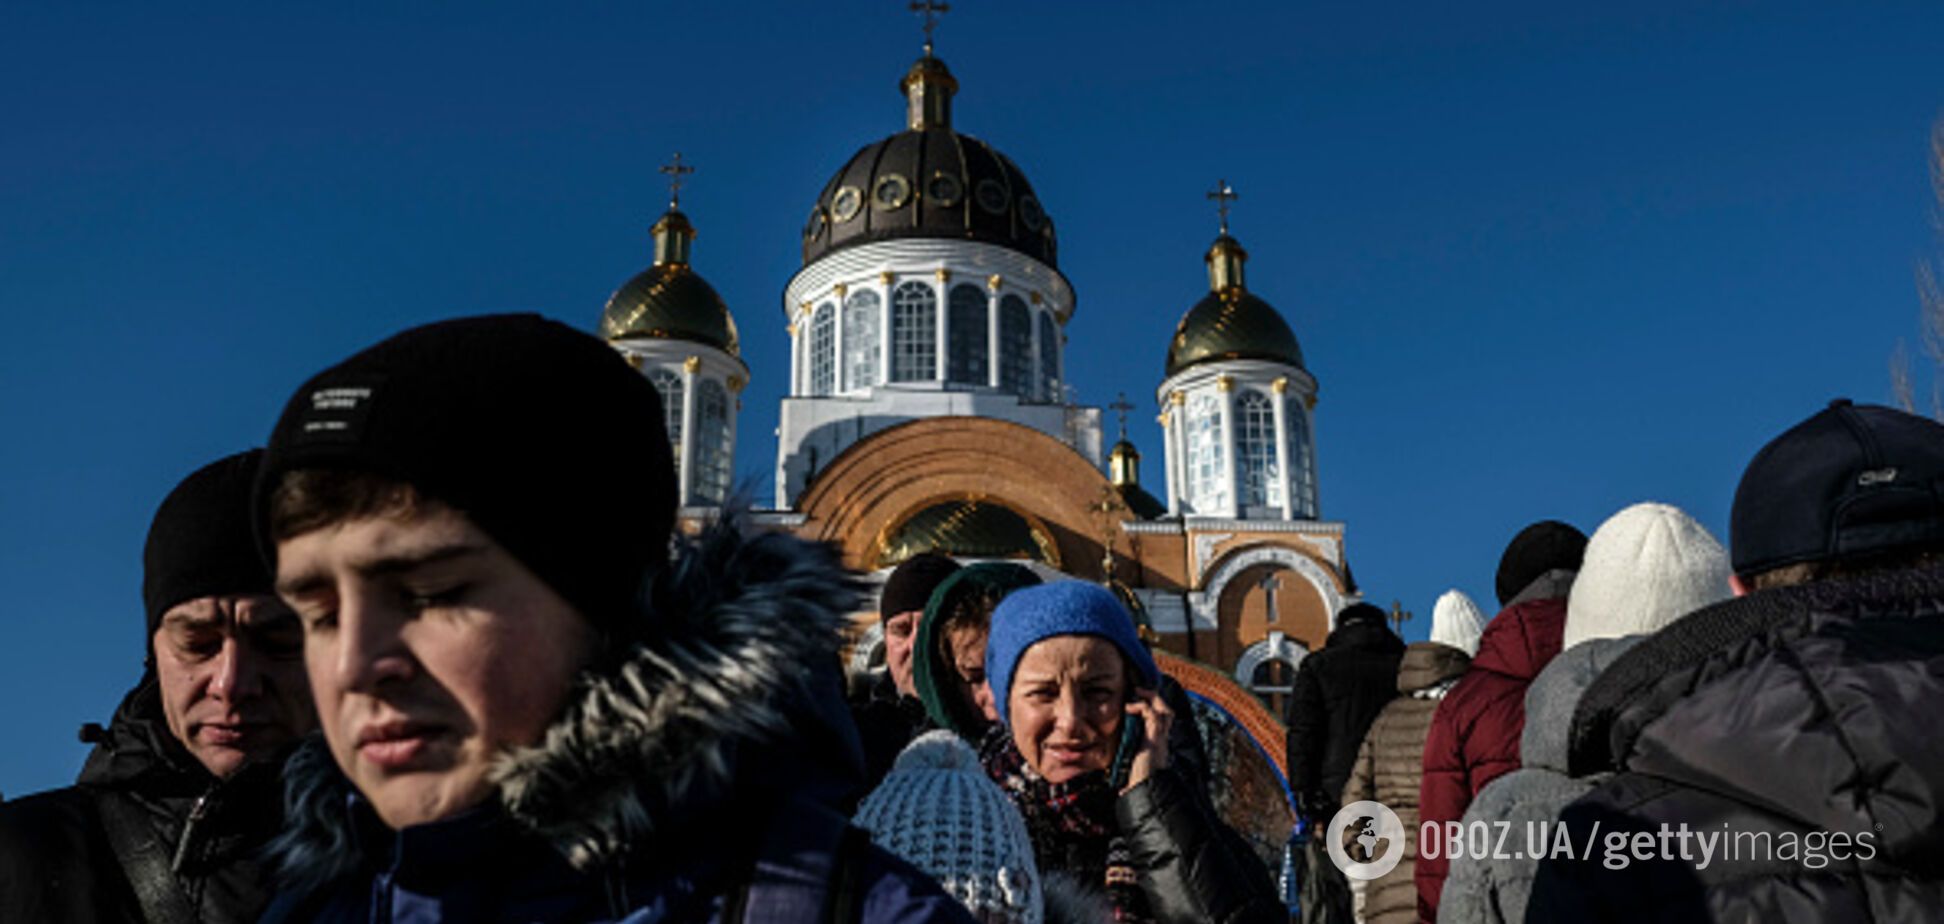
713	465
861	340
1255	450
669	385
1015	346
823	350
914	333
1302	464
1049	370
966	336
1207	462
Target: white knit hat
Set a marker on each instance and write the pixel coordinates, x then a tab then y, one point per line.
1457	621
1645	567
938	810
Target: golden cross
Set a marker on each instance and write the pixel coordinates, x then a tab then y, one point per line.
931	9
1223	194
675	170
1120	404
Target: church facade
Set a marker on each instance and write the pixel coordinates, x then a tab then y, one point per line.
927	409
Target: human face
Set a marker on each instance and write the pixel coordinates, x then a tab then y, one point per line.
231	672
1067	702
898	634
967	647
431	651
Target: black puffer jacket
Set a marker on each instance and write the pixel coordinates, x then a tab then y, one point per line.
1193	868
144	811
1339	692
1804	716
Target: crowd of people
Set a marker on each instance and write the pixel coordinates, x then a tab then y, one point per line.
412	661
1655	727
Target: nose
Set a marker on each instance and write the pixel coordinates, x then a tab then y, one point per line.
238	675
370	652
1067	711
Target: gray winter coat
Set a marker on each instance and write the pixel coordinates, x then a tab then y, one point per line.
1493	891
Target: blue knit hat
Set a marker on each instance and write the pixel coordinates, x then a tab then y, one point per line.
1060	608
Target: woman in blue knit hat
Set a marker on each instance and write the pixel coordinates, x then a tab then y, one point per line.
1082	750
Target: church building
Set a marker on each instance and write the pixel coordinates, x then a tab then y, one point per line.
927	406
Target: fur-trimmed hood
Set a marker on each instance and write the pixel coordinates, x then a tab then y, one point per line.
732	685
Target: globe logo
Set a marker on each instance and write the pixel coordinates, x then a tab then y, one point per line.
1377	828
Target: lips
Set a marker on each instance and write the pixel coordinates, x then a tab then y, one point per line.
1067	754
225	734
395	745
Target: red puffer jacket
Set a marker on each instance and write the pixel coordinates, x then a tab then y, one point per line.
1475	734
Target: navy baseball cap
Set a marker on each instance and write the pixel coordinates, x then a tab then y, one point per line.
1851	482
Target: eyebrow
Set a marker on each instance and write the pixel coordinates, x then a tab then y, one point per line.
311	582
190	621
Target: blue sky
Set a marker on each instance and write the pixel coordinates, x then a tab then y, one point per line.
1545	259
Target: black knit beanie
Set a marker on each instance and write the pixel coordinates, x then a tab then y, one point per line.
542	435
200	543
911	583
1547	545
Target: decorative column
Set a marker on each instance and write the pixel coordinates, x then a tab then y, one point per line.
1178	451
840	381
884	330
1226	385
1033	377
992	331
686	478
1279	386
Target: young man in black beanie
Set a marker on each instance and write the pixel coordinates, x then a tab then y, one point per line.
527	706
1792	728
182	790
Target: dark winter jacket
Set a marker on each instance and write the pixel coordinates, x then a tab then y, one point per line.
1391	760
1495	890
1474	735
702	778
1807	714
1338	692
143	811
886	721
1193	867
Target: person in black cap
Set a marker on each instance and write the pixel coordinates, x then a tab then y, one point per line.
1337	693
1797	721
890	713
182	788
1475	732
530	708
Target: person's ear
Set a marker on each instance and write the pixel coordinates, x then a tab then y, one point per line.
1735	585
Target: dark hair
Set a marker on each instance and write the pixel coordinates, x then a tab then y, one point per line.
310	499
1808	572
970	608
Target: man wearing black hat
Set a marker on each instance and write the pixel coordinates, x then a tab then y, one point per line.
1475	732
890	713
1337	693
182	789
1795	725
528	708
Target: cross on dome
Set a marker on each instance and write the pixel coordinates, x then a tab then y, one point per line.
1121	406
675	171
930	9
1223	194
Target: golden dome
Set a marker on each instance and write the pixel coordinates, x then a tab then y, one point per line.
669	300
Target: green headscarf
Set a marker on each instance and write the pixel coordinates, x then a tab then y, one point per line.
932	673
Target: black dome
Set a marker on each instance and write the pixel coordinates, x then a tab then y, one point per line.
1232	324
929	183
